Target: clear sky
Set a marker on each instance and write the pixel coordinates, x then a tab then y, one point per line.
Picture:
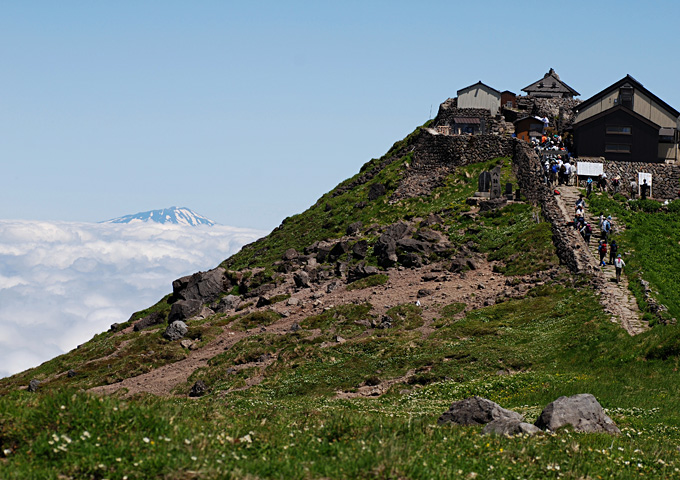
247	112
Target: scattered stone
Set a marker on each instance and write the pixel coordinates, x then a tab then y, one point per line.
384	322
71	373
290	254
339	339
509	427
354	228
338	250
376	190
295	327
293	302
360	249
230	302
176	330
301	279
198	389
332	286
581	411
114	327
476	411
410	260
424	292
186	343
184	309
33	385
155	318
480	286
262	302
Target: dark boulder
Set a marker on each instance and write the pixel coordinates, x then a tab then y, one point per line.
198	389
476	411
386	251
184	309
397	230
301	279
424	292
428	235
262	302
354	228
176	330
376	191
33	385
338	250
410	260
581	411
360	249
202	286
71	373
155	318
361	271
411	245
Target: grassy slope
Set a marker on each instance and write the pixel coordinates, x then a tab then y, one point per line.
554	342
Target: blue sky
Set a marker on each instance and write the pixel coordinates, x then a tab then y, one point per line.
247	112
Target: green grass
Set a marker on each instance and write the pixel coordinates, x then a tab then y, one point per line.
291	426
370	281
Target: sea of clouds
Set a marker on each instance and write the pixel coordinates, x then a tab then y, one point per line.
63	282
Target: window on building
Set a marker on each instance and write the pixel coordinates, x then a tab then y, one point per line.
619	129
617	148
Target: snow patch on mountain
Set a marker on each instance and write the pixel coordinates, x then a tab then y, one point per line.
172	215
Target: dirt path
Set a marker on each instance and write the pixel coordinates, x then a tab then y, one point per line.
616	299
437	287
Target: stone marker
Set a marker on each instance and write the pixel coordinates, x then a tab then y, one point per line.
484	183
508	188
495	183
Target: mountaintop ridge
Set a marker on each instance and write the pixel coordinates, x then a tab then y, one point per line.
346	332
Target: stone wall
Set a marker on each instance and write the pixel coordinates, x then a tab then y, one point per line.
665	177
448	111
530	178
558	110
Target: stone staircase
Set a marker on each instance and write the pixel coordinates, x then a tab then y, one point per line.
615	298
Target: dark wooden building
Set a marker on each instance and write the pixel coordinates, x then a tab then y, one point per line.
627	122
508	99
550	86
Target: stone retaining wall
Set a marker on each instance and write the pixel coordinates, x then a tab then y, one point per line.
665	177
530	178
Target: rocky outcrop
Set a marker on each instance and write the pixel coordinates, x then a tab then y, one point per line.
476	411
191	292
583	412
155	318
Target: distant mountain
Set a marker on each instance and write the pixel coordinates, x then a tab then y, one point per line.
178	216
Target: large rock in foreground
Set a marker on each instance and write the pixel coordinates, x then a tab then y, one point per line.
582	411
476	411
509	427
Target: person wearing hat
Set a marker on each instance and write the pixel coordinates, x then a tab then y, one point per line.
613	251
618	265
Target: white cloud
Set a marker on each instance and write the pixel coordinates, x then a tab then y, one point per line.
63	282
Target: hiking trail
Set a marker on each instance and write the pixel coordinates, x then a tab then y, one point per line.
616	298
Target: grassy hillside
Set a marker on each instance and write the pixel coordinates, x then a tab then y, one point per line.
290	405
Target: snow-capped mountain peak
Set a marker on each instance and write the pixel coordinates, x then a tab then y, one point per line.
174	215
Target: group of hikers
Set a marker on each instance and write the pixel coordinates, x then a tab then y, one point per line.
603	248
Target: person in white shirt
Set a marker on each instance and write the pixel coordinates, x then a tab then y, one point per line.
618	265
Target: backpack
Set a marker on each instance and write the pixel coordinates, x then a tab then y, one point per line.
603	248
606	226
589	230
